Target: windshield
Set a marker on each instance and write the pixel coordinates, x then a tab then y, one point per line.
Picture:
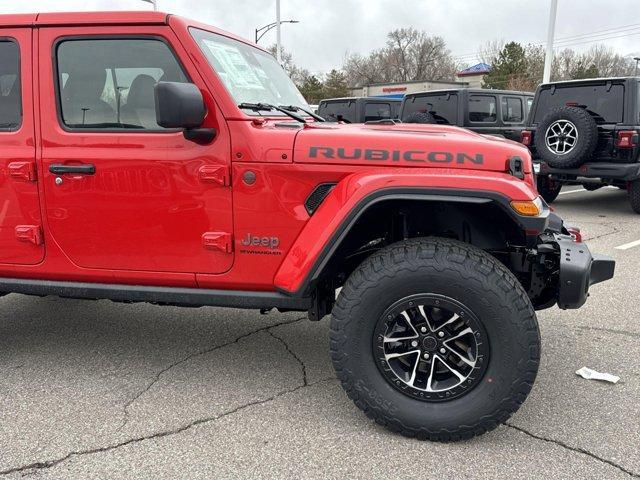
249	74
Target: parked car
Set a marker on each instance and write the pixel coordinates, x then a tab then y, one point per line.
493	112
149	158
359	109
585	132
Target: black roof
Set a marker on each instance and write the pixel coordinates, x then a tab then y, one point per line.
470	90
344	99
590	80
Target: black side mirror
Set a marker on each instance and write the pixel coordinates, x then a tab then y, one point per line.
180	105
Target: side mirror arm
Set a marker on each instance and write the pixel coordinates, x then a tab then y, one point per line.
201	136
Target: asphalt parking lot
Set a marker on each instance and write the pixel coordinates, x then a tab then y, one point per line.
104	390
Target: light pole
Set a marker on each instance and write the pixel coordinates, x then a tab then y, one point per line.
637	59
152	2
259	33
278	36
548	58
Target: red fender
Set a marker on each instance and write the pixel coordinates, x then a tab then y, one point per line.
345	197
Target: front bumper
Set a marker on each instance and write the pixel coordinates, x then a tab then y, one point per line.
579	269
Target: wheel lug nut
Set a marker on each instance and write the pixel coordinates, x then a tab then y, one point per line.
414	344
442	350
441	334
423	329
426	355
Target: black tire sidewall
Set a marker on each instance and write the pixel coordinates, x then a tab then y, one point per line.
586	142
633	191
548	189
509	344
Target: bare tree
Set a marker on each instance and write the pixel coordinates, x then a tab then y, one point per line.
409	55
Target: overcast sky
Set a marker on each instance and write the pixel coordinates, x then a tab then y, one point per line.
328	29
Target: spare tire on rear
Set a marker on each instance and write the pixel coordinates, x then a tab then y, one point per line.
420	117
566	137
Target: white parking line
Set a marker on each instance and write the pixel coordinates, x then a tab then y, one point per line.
567	192
629	245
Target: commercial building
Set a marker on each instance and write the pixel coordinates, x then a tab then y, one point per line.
471	77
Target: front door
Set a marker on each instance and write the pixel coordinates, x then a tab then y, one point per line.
21	240
121	192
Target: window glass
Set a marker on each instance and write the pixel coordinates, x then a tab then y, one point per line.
482	108
376	111
443	106
338	110
512	110
605	101
10	95
110	83
249	74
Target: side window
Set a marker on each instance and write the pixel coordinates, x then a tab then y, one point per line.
376	111
512	110
482	108
10	88
109	83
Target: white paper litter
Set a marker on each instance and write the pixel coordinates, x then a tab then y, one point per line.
589	374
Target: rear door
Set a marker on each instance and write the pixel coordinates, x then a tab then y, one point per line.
513	116
20	220
135	196
483	114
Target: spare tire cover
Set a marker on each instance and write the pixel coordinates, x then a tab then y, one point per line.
566	137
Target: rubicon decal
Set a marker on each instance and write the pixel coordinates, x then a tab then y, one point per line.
409	156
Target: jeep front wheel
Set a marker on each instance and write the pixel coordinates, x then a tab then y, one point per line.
435	339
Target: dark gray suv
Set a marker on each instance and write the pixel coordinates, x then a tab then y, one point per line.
493	112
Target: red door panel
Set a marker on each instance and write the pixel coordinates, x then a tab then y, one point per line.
20	221
151	202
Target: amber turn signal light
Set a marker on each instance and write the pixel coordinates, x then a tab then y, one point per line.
528	208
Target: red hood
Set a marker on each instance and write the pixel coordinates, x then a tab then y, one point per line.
406	145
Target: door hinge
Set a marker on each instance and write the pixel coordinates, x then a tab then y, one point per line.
23	171
214	174
29	233
218	241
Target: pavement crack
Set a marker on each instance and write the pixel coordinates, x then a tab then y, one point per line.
292	353
595	237
46	464
573	449
205	351
611	330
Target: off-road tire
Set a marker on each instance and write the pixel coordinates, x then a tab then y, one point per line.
633	190
549	189
587	137
460	271
420	117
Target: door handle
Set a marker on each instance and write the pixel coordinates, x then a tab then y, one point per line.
86	169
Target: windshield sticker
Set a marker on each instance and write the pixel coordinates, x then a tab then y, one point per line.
236	67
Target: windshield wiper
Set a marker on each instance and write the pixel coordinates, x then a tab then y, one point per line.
295	108
267	107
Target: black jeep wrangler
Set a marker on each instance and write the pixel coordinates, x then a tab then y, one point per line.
585	132
493	112
359	109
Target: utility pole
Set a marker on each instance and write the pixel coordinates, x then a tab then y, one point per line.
551	30
279	38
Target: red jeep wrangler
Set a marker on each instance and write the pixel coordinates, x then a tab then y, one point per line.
149	158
